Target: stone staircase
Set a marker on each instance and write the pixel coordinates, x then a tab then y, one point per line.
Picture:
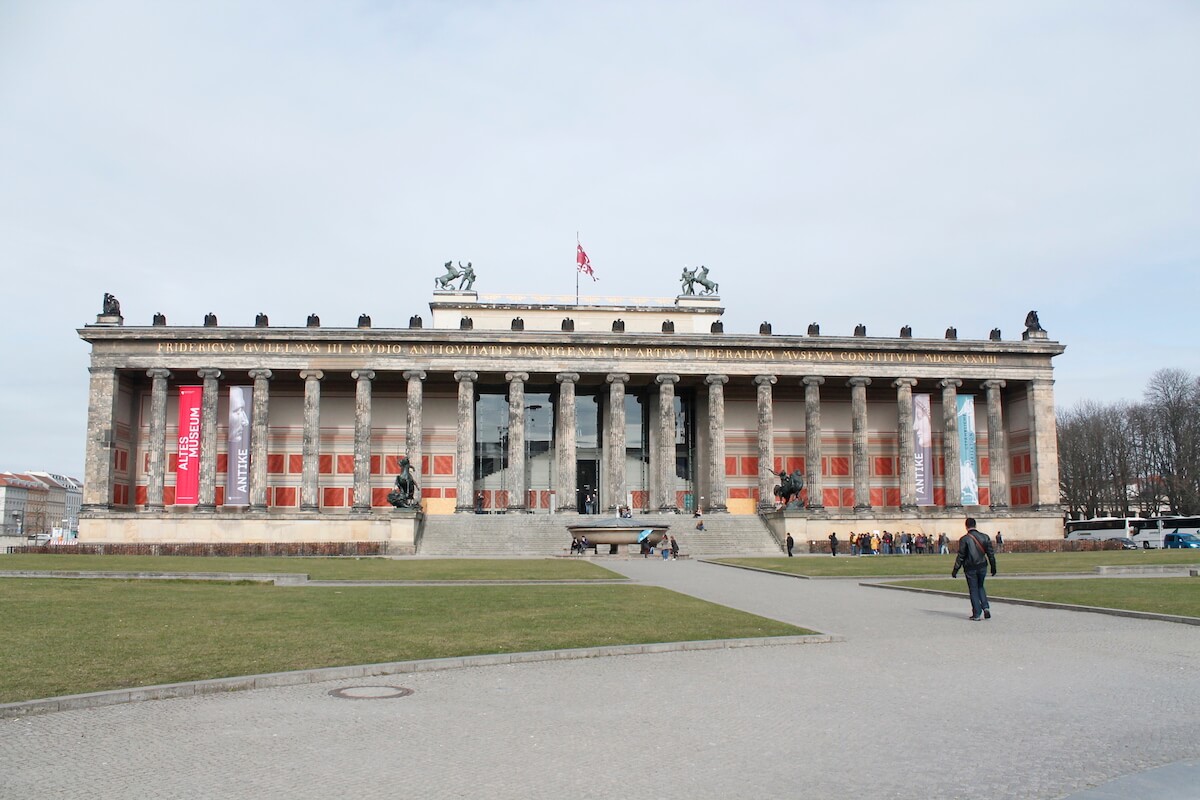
546	535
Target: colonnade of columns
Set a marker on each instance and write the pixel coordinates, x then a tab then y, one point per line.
104	384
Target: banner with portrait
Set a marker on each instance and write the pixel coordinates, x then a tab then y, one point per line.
923	449
187	472
237	473
968	463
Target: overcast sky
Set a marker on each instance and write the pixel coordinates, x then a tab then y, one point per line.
922	163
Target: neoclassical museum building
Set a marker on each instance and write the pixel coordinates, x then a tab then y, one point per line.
504	404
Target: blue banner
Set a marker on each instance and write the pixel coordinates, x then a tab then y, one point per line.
968	464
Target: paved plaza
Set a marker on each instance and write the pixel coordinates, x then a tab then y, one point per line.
917	702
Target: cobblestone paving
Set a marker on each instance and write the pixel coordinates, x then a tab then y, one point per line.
917	703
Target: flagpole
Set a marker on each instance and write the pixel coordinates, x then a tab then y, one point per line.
577	270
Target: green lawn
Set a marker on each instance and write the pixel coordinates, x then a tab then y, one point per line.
1011	563
1158	595
349	569
71	636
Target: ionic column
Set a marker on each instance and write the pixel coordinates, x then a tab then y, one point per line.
465	450
1043	445
158	438
517	491
766	443
98	463
207	498
311	447
259	419
950	453
617	486
666	443
859	451
362	439
716	443
997	453
904	432
413	433
564	443
812	440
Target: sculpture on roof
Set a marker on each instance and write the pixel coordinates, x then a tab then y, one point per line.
465	276
112	306
1032	325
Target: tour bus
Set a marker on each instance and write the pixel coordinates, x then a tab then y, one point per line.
1104	528
1152	534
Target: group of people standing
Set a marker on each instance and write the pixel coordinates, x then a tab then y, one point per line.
667	546
886	543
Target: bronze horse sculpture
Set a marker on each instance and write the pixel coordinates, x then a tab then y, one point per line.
789	488
405	493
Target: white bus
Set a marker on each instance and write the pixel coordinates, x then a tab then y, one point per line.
1151	534
1104	528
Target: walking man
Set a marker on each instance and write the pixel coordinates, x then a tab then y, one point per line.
975	553
833	543
790	544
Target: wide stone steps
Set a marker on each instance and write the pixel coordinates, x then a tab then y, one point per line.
545	535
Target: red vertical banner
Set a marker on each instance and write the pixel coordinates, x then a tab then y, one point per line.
187	478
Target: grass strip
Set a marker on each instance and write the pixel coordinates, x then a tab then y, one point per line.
1028	563
67	636
1179	596
346	569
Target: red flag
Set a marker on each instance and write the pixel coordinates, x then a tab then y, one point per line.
585	264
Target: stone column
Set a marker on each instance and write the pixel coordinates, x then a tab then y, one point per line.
717	491
564	443
158	438
207	498
860	452
517	491
465	483
259	419
362	439
666	444
904	432
812	440
997	452
952	479
413	433
310	448
1043	446
98	461
617	486
766	443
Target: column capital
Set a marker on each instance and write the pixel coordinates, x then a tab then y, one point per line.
665	379
812	380
901	383
312	374
465	375
764	380
264	374
993	384
859	380
363	374
715	380
158	373
567	377
516	377
409	374
205	374
950	383
1042	383
617	377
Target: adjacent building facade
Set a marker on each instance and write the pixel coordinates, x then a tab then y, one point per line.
521	405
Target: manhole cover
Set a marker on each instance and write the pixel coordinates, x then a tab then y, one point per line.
371	692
